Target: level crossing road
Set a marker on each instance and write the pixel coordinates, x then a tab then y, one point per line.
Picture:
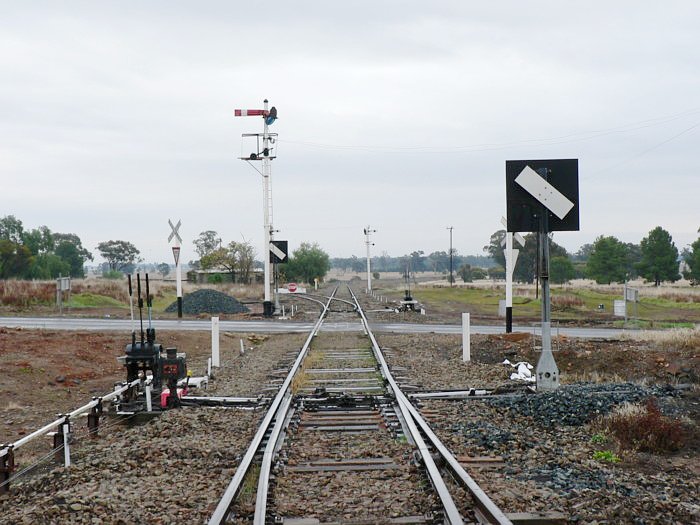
277	326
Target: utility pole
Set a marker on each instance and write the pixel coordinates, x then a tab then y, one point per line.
269	116
451	280
369	243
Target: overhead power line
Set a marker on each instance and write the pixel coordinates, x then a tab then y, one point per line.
473	148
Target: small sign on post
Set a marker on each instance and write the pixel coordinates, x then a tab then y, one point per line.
62	286
620	308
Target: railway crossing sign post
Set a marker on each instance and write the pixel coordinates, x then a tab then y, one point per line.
269	116
178	268
542	197
511	258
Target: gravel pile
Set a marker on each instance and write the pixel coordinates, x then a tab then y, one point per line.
578	404
206	301
552	468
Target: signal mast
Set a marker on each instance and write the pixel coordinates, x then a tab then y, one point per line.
269	116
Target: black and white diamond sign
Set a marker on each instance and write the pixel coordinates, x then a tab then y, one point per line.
278	252
534	184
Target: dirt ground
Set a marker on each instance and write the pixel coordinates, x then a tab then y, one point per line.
45	373
48	372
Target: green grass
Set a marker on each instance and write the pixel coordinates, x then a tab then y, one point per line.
607	456
161	303
598	439
646	324
650	312
90	300
481	301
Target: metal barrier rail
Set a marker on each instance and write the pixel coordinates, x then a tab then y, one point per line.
486	509
222	509
62	427
61	420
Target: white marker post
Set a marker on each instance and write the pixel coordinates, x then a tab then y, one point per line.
215	342
178	268
66	445
466	339
149	403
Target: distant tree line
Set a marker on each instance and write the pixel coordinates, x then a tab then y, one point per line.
607	260
39	253
416	261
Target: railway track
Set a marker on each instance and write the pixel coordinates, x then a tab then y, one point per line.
341	443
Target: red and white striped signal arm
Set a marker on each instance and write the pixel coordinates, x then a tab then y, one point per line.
250	113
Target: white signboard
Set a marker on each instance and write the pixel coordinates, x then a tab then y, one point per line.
620	308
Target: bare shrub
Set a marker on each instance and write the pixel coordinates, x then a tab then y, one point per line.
645	428
567	302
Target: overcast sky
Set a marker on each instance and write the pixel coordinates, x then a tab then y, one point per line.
116	116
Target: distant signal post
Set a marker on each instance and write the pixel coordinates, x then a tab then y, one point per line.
269	116
369	243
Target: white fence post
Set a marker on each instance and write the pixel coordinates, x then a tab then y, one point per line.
66	446
242	347
149	403
215	342
466	341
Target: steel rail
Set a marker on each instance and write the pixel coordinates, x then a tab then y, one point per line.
486	508
305	296
451	511
222	509
268	456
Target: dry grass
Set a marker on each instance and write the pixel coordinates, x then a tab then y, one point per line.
644	428
592	377
310	361
675	338
23	294
678	297
567	302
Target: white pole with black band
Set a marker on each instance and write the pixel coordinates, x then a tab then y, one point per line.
178	268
